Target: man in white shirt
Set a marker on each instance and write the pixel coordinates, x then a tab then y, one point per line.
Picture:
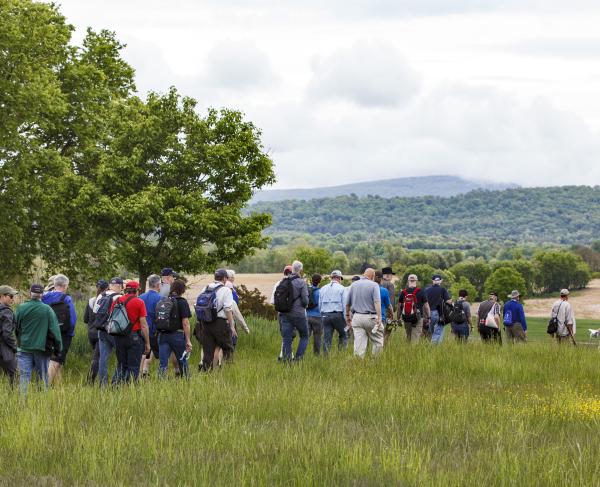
218	332
332	306
563	312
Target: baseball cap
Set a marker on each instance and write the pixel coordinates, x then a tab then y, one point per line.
132	285
220	274
102	284
36	289
116	280
336	273
287	269
167	271
413	277
436	277
7	290
564	292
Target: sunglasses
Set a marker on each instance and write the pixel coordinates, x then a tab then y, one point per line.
11	296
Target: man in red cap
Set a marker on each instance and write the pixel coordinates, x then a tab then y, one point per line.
135	342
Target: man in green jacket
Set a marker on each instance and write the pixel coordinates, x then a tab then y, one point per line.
35	322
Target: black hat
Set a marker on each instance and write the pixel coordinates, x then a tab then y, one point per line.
220	274
355	278
388	270
102	284
116	280
36	289
167	271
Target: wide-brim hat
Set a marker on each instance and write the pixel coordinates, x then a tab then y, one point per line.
514	294
388	270
4	290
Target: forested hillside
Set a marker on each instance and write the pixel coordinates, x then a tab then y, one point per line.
566	215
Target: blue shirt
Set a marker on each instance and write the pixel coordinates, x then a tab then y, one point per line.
236	298
332	298
314	312
54	297
151	299
385	301
517	312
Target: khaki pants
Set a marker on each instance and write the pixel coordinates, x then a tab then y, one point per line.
414	333
515	333
363	333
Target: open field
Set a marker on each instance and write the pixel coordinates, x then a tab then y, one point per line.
417	415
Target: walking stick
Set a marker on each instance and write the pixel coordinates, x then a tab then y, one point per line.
571	335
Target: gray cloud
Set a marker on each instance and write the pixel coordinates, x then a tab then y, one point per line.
369	75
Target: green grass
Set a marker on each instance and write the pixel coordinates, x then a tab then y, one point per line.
417	415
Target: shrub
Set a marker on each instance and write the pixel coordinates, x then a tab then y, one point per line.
503	281
254	303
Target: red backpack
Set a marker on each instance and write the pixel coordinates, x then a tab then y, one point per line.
410	313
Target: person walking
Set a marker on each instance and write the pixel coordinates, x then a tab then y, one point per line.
89	318
63	306
563	312
129	348
35	323
106	342
287	271
461	317
294	290
387	312
175	339
387	283
313	313
167	276
413	309
514	320
8	340
217	332
436	297
363	314
332	305
151	298
488	319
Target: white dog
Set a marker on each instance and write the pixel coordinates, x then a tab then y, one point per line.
594	333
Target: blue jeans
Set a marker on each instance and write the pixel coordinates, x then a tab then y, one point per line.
438	330
288	325
171	342
106	345
27	363
461	330
331	322
129	350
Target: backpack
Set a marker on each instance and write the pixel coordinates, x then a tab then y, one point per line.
167	315
206	305
118	321
284	295
447	309
458	314
63	314
508	319
311	298
101	318
410	312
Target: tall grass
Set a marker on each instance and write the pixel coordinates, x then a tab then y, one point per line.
417	415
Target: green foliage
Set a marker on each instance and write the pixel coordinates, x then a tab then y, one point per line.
254	303
315	260
340	261
476	271
527	269
463	283
503	281
590	256
422	271
560	269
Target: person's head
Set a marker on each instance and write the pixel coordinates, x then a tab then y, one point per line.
36	291
287	270
61	283
231	275
178	287
412	280
221	275
369	273
463	293
7	295
132	287
116	284
336	276
297	267
50	286
355	278
387	273
436	279
493	297
101	286
168	275
515	295
378	277
154	282
316	279
564	294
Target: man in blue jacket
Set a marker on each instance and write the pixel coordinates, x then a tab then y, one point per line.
515	324
63	307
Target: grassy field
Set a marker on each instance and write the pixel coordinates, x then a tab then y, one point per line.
417	415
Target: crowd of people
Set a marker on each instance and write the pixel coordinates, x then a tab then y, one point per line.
156	324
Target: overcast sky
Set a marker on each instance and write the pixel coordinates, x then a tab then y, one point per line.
355	90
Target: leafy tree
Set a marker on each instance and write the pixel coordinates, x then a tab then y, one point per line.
503	281
172	185
340	261
475	271
463	283
526	268
559	269
315	260
422	271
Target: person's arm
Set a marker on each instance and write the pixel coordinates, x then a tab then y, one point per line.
523	321
348	316
8	330
239	318
320	304
229	315
145	334
185	322
378	313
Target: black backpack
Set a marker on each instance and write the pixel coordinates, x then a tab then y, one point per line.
284	295
101	318
447	309
167	315
63	314
311	298
458	314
